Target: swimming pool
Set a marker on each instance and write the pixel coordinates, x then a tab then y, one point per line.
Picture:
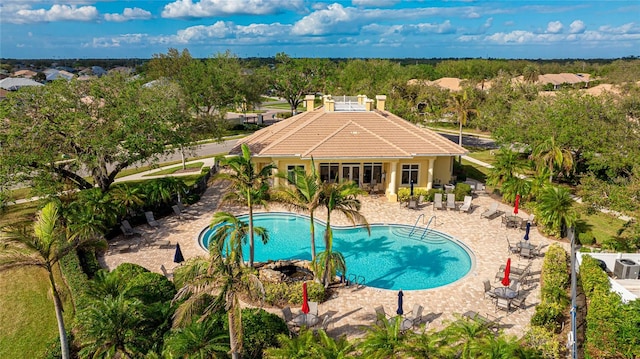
388	259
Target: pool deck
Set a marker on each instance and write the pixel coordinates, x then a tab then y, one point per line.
352	308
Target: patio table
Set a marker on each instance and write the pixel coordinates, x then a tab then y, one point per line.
513	221
308	320
505	292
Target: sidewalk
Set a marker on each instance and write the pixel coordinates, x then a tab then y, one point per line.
145	175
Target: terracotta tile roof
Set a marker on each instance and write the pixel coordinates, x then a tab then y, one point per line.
342	134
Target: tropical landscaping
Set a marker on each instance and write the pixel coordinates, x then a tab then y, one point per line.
552	148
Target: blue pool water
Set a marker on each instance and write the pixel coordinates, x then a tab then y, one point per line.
388	259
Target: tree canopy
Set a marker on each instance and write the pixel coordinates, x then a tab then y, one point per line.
61	133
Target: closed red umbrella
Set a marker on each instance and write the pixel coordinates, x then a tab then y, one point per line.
515	209
507	271
305	299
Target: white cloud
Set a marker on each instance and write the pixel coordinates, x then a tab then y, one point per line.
325	21
117	41
554	27
577	27
210	8
374	3
526	37
135	13
629	28
227	32
56	13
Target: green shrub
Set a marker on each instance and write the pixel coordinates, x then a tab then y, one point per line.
592	277
260	329
75	278
461	190
548	315
545	341
291	293
150	288
587	238
404	194
127	271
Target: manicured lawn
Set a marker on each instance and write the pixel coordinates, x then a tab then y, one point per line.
175	169
24	212
27	317
475	171
486	156
602	225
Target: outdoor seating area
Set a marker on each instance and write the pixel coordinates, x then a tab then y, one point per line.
352	307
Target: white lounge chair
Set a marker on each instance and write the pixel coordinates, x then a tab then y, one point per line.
466	205
451	201
493	209
437	201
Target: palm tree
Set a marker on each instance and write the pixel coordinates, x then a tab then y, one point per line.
428	344
200	340
460	105
530	74
109	328
249	185
548	153
462	334
299	347
507	165
42	246
515	186
341	197
303	194
555	208
223	279
329	348
383	340
227	225
129	197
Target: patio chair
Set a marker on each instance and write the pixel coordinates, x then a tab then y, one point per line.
415	315
381	315
531	218
437	201
313	308
451	201
488	290
164	271
526	252
178	212
127	230
287	315
413	203
466	205
184	209
493	209
150	220
537	252
519	301
512	249
324	325
503	304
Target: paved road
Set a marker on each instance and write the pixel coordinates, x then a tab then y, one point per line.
470	140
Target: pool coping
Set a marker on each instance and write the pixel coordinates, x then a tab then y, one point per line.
462	244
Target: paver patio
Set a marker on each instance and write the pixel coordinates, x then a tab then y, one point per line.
353	308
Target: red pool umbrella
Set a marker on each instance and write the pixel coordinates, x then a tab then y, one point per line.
507	270
515	209
305	299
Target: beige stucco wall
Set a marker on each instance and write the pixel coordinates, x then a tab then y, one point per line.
441	169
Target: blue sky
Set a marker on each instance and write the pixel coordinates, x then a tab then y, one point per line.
351	29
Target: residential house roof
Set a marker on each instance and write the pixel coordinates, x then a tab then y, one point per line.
347	135
15	83
25	73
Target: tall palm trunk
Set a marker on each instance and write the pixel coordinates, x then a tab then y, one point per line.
251	237
64	344
232	334
313	238
328	243
460	142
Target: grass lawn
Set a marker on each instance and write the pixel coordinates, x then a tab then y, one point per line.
475	171
175	169
484	156
27	317
602	225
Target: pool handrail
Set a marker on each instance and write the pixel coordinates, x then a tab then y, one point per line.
416	224
427	227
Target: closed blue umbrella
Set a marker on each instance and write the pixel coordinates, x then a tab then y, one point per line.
526	232
177	257
411	194
400	295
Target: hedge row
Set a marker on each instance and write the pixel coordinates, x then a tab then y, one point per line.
460	190
280	294
613	328
549	313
